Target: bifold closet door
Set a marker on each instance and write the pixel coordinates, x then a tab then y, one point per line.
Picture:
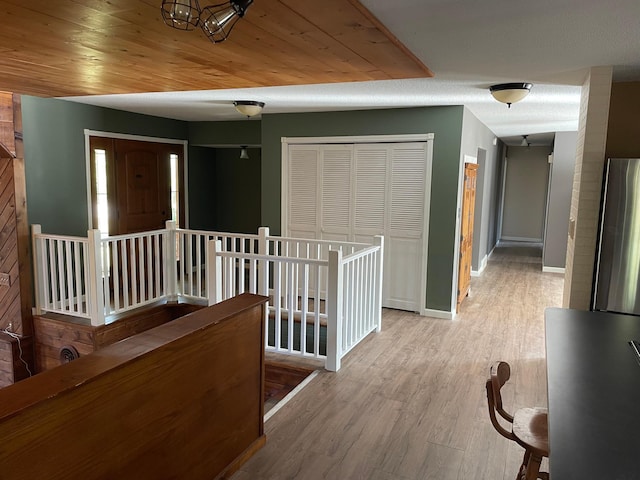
336	192
303	219
389	199
405	249
352	192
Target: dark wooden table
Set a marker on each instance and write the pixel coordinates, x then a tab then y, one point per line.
594	395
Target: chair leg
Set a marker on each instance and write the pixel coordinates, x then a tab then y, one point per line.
533	467
523	467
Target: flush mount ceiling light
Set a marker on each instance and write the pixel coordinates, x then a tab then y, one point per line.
510	92
216	21
249	108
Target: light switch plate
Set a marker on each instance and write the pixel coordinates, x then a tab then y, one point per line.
5	280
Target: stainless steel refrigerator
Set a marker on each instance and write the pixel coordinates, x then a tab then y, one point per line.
617	278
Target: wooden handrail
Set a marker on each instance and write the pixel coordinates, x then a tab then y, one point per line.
183	400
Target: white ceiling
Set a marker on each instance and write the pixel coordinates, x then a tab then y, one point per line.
469	45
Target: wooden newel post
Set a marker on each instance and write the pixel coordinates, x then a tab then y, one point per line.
37	264
334	311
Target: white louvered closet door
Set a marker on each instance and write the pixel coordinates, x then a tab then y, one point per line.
372	163
303	190
363	190
405	229
336	191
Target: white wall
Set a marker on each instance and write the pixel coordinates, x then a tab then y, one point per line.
560	189
478	141
525	195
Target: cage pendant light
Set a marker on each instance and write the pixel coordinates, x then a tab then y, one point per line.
181	14
217	21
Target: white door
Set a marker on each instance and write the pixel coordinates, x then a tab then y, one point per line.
335	181
364	190
303	190
405	252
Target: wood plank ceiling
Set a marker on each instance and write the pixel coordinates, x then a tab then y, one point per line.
87	47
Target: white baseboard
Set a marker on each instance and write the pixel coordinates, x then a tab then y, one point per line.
427	312
520	241
483	265
552	269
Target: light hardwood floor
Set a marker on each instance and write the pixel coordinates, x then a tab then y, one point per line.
410	402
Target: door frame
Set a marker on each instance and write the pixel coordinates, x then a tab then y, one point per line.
140	138
408	138
456	244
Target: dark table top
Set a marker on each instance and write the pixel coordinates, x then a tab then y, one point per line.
594	395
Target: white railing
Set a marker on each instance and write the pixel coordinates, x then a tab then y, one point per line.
133	271
63	265
191	257
358	296
324	296
305	320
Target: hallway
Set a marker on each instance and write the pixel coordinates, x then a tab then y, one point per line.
409	402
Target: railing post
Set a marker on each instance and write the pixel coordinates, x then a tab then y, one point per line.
334	311
170	262
263	265
214	272
95	286
37	265
378	241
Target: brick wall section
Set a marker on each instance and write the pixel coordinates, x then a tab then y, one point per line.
587	186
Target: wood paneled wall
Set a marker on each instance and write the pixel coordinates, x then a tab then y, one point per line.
15	358
183	400
53	332
15	256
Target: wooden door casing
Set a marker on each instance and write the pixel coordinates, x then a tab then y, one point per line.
466	231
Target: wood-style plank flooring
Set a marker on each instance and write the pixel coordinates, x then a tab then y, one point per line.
409	402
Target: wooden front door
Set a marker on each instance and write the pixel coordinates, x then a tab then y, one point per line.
143	186
138	184
136	178
466	231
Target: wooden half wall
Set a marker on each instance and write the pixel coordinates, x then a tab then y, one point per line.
182	400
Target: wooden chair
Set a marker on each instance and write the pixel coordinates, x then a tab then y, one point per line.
528	425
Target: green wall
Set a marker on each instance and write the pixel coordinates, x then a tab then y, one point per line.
224	190
202	184
241	132
220	197
55	162
444	122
